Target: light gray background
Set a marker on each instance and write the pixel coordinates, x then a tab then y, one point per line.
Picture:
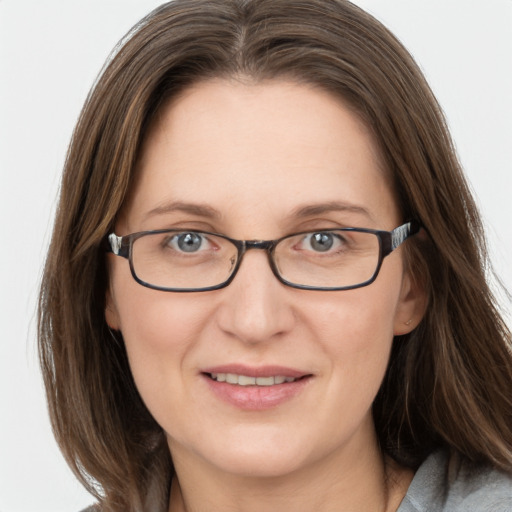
50	54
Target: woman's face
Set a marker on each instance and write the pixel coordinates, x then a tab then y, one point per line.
260	162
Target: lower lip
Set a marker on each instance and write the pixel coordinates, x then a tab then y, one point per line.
256	398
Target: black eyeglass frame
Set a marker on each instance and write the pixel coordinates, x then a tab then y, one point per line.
388	242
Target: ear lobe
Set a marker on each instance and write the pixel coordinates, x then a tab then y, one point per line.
111	314
411	306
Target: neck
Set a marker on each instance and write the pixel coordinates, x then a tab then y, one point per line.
357	480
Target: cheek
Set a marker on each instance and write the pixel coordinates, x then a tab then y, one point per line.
357	345
160	331
355	332
356	322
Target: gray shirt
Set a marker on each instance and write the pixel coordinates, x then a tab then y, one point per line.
439	486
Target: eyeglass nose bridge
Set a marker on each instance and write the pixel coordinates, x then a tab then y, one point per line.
265	245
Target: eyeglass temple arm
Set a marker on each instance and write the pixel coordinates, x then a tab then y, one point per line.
114	244
399	235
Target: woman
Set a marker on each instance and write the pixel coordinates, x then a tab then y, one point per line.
360	364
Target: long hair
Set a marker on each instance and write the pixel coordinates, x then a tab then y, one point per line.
448	383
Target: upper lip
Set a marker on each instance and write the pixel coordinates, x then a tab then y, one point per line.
257	371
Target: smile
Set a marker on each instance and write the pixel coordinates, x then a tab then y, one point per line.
253	388
245	380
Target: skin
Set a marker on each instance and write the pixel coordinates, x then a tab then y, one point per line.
255	154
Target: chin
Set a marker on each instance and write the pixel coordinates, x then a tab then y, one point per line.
260	464
253	452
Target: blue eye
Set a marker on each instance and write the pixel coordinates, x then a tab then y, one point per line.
187	242
321	242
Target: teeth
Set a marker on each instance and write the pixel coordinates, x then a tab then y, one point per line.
265	381
244	380
231	378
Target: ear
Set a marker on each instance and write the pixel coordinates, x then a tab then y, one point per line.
111	313
411	306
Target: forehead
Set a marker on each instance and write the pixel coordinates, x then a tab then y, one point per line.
258	150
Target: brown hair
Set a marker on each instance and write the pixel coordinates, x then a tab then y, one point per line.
448	382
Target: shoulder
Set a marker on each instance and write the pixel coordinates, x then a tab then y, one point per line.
479	489
444	484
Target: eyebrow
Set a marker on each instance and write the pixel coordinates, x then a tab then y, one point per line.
206	211
332	206
197	209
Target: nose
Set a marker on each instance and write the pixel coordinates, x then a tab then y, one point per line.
256	307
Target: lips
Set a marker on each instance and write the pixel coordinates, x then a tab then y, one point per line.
255	388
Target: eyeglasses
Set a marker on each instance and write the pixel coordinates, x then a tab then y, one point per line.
181	260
